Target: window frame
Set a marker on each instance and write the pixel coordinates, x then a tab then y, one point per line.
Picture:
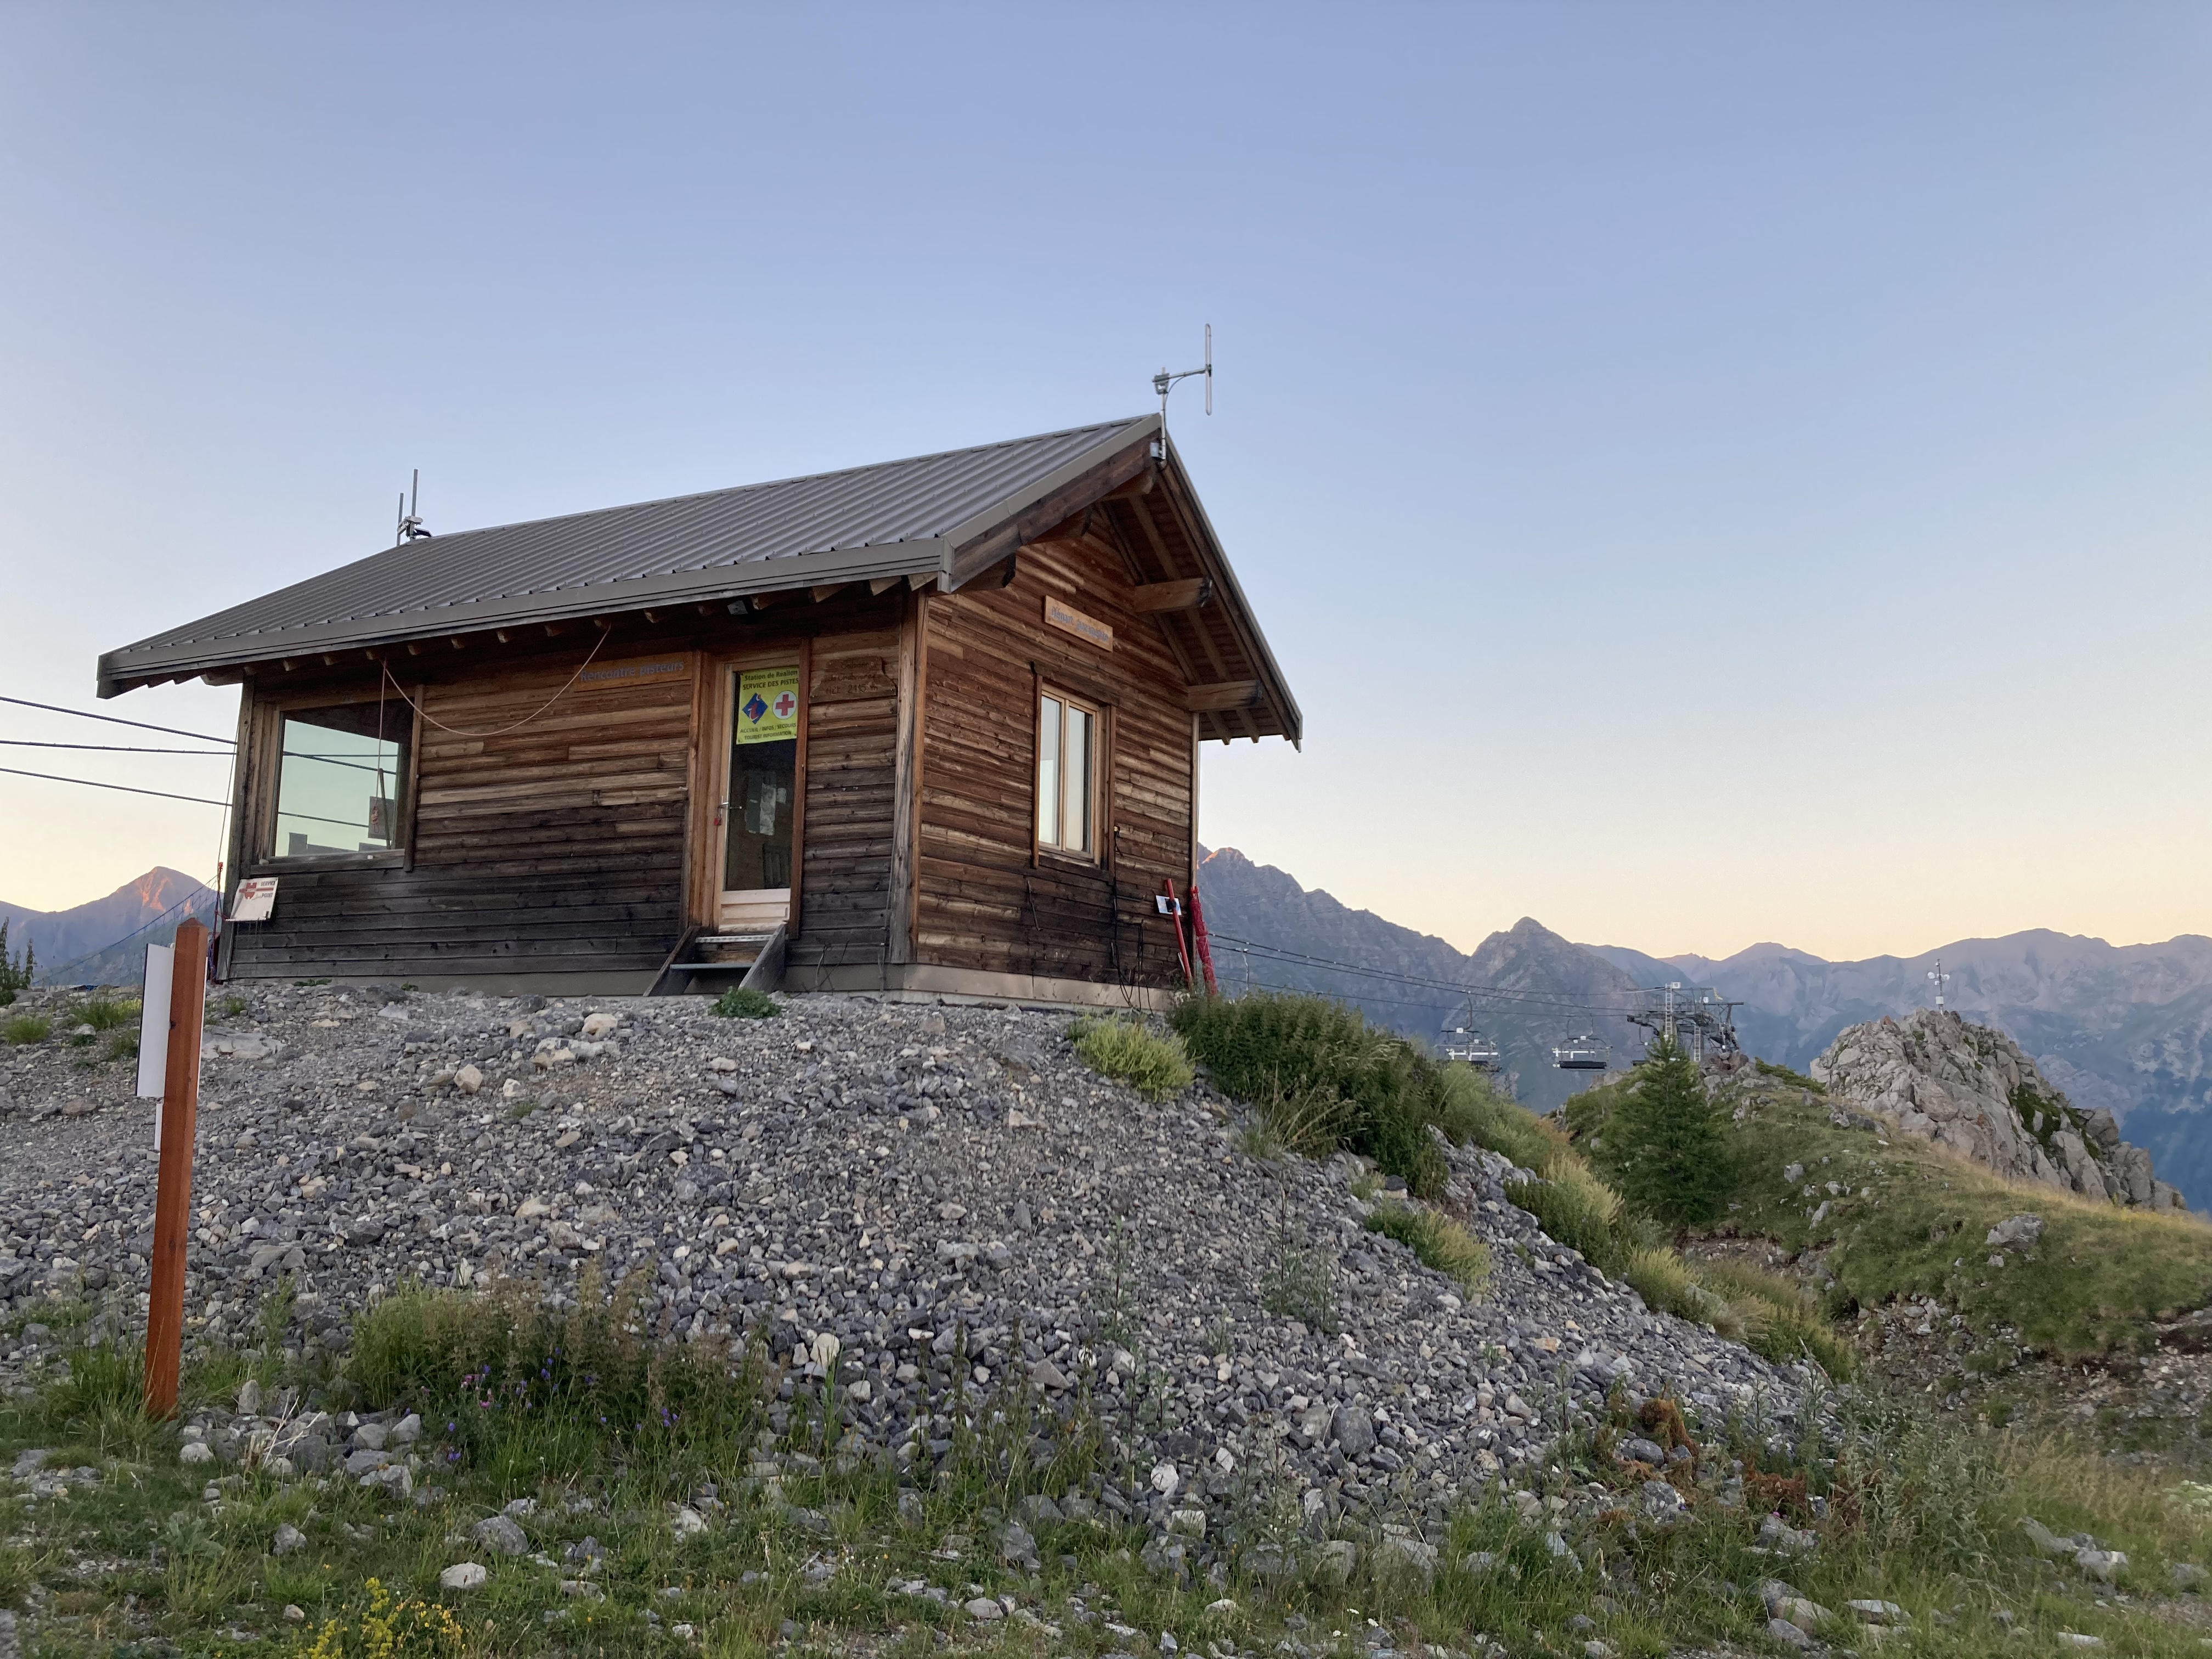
1100	713
268	785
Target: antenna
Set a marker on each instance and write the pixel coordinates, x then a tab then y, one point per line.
411	518
1165	382
1937	976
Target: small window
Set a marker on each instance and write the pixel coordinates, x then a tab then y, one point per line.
1067	760
341	774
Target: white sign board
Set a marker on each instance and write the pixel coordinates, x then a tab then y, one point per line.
153	1029
255	900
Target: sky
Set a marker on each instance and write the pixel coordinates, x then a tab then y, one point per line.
1710	473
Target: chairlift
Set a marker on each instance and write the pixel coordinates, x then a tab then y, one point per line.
1462	1039
1586	1052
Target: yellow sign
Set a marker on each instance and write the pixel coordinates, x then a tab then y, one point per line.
1071	621
768	705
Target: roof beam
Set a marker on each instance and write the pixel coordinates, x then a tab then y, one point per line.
1185	595
1222	695
973	558
827	589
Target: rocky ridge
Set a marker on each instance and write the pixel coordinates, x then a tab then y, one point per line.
918	1184
1969	1087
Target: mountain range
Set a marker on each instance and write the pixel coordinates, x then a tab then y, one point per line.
102	942
2126	1028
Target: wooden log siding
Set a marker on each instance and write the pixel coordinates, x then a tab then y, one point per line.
845	862
986	899
556	847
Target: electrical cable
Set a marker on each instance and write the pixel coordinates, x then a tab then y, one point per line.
115	719
181	904
128	789
456	731
112	748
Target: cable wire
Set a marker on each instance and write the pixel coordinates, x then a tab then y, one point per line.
189	899
128	789
456	731
112	748
115	719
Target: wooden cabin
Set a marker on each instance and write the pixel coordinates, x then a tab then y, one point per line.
929	728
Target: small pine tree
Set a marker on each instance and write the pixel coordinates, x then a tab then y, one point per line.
1668	1143
15	974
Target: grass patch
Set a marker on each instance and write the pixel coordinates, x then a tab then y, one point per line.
1343	1083
1155	1067
828	1556
105	1013
1908	1218
21	1029
743	1002
603	1429
1781	1320
1440	1242
1783	1074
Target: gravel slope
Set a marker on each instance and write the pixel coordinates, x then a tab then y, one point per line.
901	1178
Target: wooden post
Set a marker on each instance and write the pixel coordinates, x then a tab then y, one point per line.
173	1198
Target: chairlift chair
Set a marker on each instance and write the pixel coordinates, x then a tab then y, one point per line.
1586	1052
1463	1040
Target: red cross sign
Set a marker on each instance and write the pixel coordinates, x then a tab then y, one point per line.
784	705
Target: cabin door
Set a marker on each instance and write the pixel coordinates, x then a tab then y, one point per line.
760	805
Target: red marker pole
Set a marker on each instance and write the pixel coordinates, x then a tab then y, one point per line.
1205	944
173	1194
1182	951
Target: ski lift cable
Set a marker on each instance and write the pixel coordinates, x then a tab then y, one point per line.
1509	994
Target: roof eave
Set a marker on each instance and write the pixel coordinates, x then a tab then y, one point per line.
1278	689
122	670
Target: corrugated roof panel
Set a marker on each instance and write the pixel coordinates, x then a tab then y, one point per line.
881	506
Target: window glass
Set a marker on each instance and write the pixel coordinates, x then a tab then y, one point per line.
763	777
1067	760
1075	815
1049	772
340	776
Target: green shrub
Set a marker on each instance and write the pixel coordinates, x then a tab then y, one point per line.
1471	1109
1373	1092
1155	1067
742	1002
27	1028
1574	1207
105	1013
1440	1242
15	972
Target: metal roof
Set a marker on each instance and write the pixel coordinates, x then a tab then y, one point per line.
895	517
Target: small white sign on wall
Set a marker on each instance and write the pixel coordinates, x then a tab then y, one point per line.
256	898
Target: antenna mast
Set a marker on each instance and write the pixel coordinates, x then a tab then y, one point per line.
1936	977
411	518
1165	382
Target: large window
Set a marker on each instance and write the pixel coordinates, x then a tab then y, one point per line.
1067	765
341	780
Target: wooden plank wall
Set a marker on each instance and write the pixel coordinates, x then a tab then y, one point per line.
984	900
553	848
851	733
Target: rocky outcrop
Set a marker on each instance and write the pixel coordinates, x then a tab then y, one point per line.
1971	1088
